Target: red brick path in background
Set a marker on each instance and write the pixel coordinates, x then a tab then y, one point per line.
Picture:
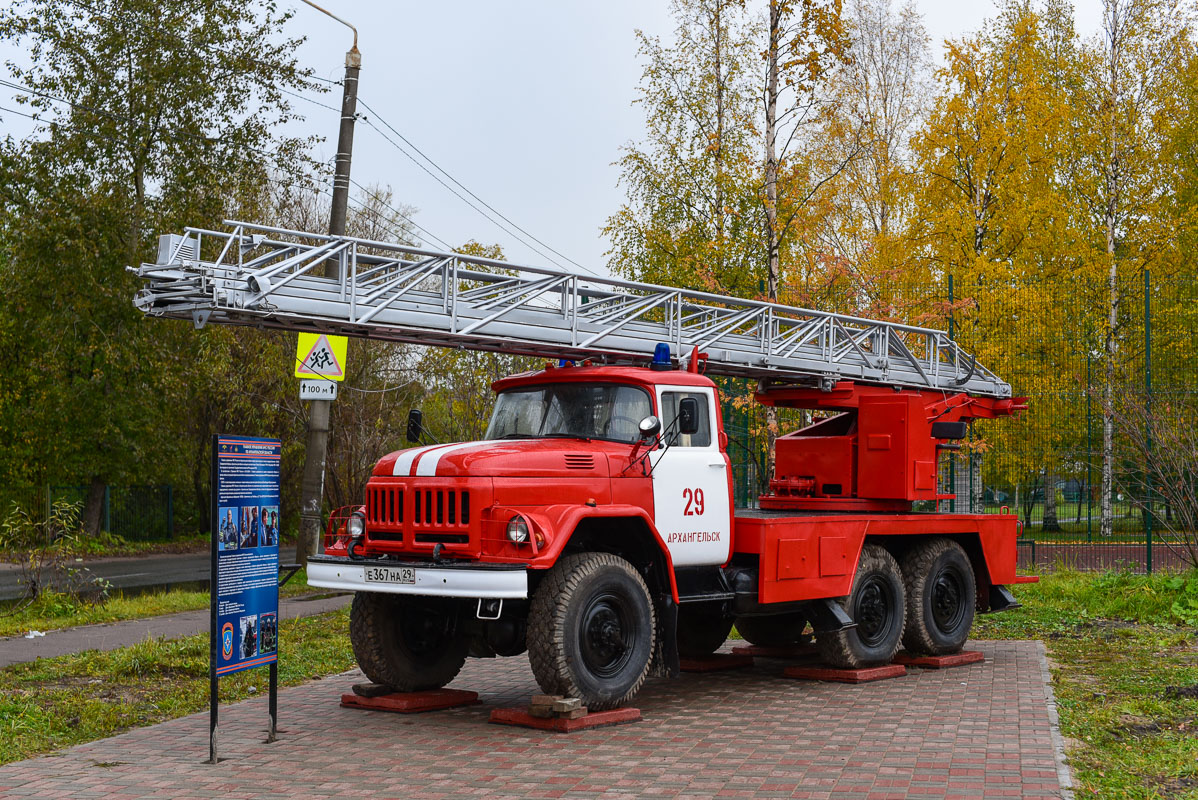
1098	556
983	730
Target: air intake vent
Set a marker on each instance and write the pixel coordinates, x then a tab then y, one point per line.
580	461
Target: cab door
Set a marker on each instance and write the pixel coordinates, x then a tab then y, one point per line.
691	498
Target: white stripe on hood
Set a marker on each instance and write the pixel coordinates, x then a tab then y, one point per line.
428	462
403	462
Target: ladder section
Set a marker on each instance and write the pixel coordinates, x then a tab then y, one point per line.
272	277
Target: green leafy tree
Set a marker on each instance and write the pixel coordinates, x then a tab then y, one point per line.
693	216
993	213
1126	111
150	116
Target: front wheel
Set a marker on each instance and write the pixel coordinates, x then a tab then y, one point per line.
877	605
591	630
407	643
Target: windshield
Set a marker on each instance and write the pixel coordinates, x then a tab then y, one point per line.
576	410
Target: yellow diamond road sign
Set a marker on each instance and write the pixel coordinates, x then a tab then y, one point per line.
318	355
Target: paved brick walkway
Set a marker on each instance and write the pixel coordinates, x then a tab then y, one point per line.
984	730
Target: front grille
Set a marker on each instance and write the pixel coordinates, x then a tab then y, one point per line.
420	516
440	507
384	505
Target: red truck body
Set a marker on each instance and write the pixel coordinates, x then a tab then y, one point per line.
481	524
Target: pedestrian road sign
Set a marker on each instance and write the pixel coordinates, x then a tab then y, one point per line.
319	355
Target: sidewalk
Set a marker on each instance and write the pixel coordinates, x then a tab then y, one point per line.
983	731
111	635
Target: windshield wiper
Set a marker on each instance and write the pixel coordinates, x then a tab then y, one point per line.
560	435
518	436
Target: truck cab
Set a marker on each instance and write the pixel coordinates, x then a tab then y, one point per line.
593	527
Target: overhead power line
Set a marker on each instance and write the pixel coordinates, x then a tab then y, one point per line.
184	135
19	113
404	216
309	99
519	233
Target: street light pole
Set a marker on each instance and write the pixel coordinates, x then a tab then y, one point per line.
316	449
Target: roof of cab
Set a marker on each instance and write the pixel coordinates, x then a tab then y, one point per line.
641	376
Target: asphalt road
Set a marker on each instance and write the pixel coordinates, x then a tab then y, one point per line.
135	571
111	635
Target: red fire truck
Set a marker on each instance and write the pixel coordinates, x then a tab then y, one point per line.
594	525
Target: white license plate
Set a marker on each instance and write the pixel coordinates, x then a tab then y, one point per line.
390	575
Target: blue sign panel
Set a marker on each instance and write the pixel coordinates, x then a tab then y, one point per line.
246	531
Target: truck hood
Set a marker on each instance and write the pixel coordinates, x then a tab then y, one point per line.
572	458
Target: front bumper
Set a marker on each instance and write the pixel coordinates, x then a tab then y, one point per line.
508	582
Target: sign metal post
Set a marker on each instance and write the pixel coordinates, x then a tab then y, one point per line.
213	640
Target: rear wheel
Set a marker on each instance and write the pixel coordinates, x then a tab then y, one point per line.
701	631
780	630
407	643
941	597
591	630
877	605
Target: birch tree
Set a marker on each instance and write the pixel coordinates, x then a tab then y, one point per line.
1125	113
693	210
993	213
805	40
880	100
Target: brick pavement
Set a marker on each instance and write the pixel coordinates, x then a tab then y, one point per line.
984	730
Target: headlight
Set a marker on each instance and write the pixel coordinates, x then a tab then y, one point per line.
517	530
355	526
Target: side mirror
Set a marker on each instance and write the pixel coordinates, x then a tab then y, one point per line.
688	416
415	425
650	426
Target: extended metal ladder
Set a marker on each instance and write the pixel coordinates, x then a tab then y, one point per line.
269	277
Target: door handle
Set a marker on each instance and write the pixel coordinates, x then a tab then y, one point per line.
719	464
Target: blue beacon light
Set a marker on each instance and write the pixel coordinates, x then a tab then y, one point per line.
661	357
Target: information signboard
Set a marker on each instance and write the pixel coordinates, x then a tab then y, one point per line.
245	560
247	570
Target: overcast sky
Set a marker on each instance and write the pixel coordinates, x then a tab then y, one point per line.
526	102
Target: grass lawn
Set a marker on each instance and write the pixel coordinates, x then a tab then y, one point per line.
54	703
52	611
1124	656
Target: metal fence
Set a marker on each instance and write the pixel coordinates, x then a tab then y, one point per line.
1051	338
1097	393
135	513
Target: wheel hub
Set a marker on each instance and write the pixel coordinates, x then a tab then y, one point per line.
947	606
872	611
604	636
425	632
